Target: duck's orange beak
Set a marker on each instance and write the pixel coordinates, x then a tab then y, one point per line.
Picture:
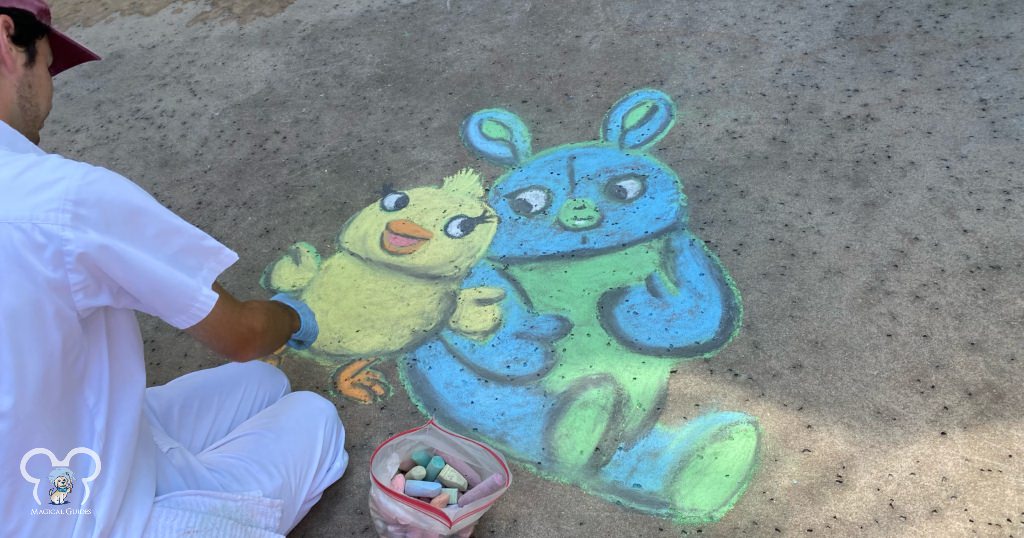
403	237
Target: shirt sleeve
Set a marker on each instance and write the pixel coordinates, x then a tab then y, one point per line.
126	250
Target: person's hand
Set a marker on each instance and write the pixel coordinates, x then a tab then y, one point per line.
308	328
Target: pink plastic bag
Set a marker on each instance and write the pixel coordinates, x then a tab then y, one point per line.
397	516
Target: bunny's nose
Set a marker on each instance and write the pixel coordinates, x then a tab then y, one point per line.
579	214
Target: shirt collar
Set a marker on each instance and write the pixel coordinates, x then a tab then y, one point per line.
11	140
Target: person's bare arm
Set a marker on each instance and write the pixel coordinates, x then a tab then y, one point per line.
245	330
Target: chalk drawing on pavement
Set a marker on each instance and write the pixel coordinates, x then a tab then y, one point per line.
606	290
395	280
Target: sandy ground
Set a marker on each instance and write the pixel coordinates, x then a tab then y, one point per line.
855	165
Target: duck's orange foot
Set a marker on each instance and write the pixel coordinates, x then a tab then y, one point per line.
359	383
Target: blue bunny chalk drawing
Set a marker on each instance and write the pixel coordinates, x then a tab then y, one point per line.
606	291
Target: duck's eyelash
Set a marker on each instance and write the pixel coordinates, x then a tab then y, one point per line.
484	217
387	189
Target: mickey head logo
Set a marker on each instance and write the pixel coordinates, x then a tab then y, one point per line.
59	463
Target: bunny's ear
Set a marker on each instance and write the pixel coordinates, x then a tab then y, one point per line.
498	136
639	120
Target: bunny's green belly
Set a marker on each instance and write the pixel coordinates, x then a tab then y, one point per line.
572	288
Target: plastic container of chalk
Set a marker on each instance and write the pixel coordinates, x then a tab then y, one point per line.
396	515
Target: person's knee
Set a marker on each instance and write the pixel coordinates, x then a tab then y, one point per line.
315	405
319	411
268	379
321	415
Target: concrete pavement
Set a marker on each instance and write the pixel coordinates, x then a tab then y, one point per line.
856	167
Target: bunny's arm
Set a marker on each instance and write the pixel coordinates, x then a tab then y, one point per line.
689	308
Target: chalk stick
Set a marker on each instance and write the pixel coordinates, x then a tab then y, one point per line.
440	501
453	495
421	488
472	477
416	473
398	483
421	457
493	483
434	467
406	464
450	478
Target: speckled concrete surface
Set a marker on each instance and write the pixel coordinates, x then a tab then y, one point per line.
856	165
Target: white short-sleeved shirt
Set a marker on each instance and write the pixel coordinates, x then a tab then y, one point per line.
82	248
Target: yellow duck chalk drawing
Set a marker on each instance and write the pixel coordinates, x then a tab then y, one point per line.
395	279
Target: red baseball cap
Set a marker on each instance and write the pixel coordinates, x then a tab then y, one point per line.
67	53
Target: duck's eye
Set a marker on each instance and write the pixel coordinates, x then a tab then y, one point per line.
393	201
460	227
626	188
530	201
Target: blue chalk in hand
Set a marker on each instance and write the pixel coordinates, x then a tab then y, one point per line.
422	488
434	467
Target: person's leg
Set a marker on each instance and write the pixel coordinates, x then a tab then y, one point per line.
292	451
199	408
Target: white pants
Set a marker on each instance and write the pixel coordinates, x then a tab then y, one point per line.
238	427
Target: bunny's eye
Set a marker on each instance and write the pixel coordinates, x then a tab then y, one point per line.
530	201
626	188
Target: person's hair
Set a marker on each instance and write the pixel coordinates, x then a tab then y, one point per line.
27	31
